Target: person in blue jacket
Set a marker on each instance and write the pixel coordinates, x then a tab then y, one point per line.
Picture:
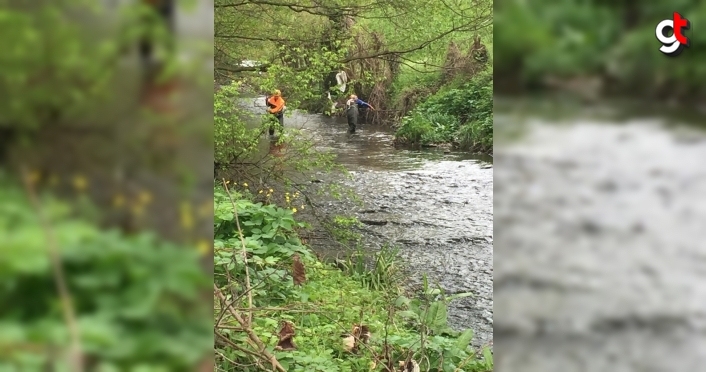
352	111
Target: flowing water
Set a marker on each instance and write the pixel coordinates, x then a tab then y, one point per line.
434	205
601	258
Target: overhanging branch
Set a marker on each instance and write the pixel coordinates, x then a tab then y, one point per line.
265	66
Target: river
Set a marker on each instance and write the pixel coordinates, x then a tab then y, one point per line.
600	254
436	206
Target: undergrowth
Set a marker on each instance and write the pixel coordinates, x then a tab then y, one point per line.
307	315
135	300
460	113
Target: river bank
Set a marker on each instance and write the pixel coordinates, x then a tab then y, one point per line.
442	224
457	115
318	316
435	205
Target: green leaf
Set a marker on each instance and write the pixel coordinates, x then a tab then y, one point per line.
408	314
464	340
488	357
457	296
437	315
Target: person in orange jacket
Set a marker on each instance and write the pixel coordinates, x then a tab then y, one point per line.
276	108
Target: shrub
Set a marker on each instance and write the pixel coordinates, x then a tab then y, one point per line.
462	112
323	309
233	140
135	298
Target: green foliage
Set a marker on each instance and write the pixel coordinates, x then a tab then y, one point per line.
269	238
343	229
410	83
428	128
613	40
296	83
327	305
477	134
232	138
382	274
69	72
431	309
565	40
54	69
303	44
136	298
462	113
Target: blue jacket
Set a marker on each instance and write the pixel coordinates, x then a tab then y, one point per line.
360	102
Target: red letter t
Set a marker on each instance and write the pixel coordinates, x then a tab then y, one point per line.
679	24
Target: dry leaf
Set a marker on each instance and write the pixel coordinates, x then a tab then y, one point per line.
298	272
410	366
359	334
349	343
286	337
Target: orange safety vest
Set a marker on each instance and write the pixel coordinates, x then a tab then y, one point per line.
277	102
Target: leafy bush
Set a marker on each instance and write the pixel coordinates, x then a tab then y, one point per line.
269	240
232	138
477	135
136	298
461	112
325	307
416	128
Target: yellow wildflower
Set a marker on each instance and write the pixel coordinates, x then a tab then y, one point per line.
118	200
294	210
245	184
33	177
259	192
187	221
271	191
145	197
203	247
80	183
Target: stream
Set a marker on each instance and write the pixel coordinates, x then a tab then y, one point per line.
435	205
601	261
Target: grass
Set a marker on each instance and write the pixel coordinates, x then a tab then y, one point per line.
312	326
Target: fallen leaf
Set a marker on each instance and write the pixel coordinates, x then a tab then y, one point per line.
286	337
409	366
349	343
359	334
298	272
362	333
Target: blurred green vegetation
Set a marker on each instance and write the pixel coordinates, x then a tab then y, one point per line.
135	299
563	44
71	116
